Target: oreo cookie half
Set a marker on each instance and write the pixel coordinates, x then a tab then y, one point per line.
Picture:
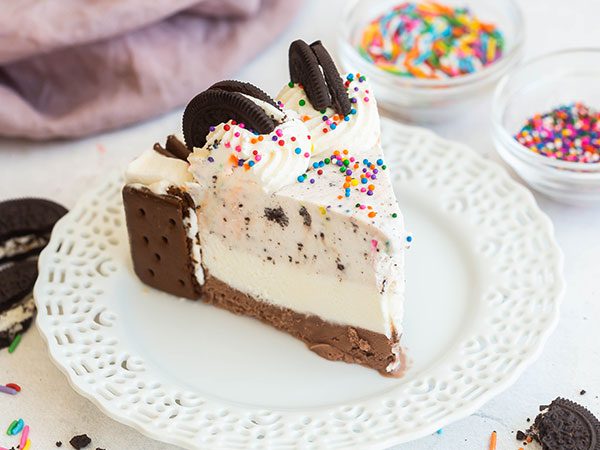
216	106
245	88
565	425
16	303
305	69
25	226
337	90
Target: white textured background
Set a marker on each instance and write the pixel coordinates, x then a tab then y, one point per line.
570	362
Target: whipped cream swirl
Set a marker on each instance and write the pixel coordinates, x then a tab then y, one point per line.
358	131
270	161
157	172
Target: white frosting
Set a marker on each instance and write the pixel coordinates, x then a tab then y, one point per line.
10	320
270	161
21	244
153	168
361	129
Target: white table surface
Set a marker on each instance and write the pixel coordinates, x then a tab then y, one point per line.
569	363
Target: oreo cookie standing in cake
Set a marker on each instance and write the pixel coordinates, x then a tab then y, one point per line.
215	106
312	66
16	302
25	226
339	97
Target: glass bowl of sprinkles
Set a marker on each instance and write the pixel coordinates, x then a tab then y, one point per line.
546	124
429	61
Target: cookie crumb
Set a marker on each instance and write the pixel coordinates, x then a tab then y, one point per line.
80	441
58	444
582	392
277	215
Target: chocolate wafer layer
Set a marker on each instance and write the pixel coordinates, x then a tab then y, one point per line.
160	246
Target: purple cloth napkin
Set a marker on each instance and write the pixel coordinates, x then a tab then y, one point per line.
71	68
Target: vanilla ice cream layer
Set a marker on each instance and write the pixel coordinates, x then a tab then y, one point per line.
303	289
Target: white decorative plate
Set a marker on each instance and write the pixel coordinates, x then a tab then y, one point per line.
483	264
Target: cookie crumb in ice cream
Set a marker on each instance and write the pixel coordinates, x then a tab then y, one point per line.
277	215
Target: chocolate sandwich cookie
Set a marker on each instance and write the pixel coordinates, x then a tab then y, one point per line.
565	425
25	226
339	97
216	106
16	302
304	69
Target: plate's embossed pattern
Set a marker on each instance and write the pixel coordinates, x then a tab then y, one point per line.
505	227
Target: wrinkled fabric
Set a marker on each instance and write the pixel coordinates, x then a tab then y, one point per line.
71	68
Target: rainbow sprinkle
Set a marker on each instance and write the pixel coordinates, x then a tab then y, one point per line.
24	437
568	133
18	427
15	343
430	40
10	427
8	390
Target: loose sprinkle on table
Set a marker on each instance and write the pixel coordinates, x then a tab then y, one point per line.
430	40
493	439
8	390
568	133
15	343
14	386
18	427
10	427
24	437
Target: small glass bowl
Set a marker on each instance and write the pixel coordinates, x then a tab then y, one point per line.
540	86
425	100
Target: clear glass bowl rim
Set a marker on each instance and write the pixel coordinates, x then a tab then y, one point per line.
500	102
506	61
